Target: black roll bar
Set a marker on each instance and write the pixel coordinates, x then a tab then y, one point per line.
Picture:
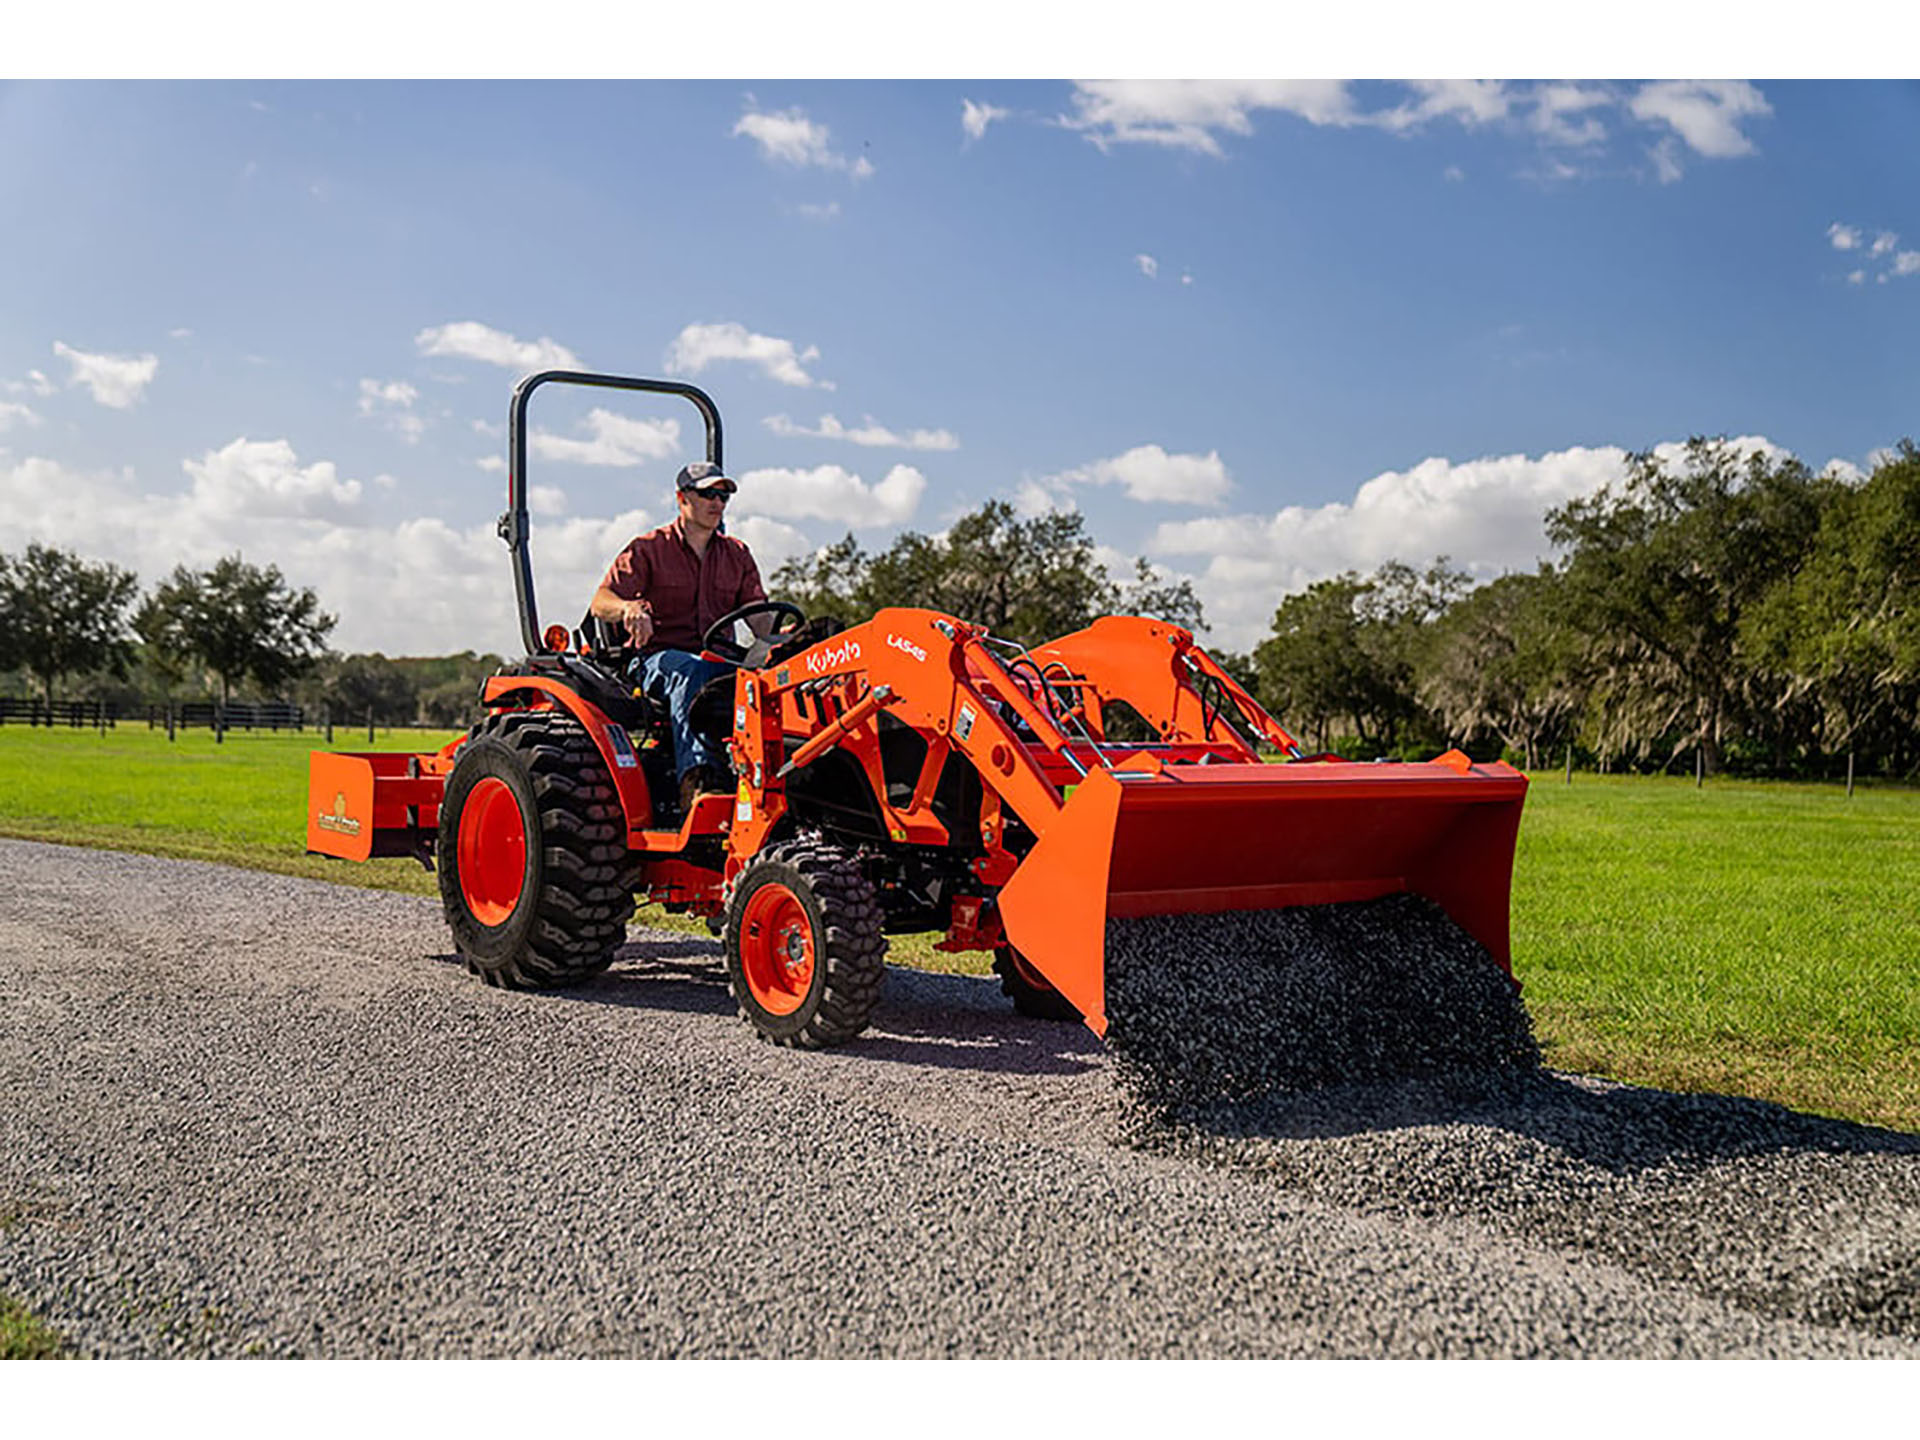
513	526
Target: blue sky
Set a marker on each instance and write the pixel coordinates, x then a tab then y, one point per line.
1257	331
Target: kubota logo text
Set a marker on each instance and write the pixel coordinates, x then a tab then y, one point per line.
339	821
831	656
899	642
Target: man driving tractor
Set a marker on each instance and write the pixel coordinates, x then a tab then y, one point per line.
665	590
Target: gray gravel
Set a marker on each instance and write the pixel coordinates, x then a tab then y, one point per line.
243	1114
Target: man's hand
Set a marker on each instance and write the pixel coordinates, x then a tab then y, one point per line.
637	616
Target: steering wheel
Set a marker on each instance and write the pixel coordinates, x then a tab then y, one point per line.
719	641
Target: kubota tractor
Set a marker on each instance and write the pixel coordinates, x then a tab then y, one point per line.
911	773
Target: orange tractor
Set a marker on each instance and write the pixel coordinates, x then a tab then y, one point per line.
911	773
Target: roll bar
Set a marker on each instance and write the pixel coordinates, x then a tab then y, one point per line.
513	525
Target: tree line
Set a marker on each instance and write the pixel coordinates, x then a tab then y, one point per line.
231	630
1728	609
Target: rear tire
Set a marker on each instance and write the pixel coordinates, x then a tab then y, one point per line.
1032	996
532	853
805	952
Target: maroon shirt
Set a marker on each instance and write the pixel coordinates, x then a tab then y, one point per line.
688	592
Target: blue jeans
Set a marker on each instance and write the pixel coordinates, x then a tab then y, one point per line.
675	677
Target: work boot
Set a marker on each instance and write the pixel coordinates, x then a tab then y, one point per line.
698	781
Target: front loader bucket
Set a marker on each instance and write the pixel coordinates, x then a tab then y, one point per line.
1200	838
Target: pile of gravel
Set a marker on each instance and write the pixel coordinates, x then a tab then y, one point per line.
1242	1004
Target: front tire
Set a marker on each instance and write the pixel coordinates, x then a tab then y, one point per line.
805	952
531	852
1032	996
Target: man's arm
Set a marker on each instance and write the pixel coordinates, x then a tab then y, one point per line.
752	590
636	615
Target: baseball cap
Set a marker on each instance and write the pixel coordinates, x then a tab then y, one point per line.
704	475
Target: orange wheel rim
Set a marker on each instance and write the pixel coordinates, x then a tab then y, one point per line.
493	851
776	949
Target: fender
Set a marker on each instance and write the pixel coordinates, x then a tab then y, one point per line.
629	782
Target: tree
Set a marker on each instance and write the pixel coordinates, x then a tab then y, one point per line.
1350	650
239	621
61	614
1502	664
1843	629
362	685
1030	580
1659	576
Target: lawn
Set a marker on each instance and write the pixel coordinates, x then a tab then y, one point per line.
1746	938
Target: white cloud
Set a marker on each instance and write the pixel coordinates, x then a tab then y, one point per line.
1666	160
262	479
698	346
1907	262
1844	237
868	433
1186	114
788	137
1149	474
1453	172
828	492
1882	243
115	380
1149	266
12	414
772	543
1561	114
1856	277
180	333
1186	279
470	340
1707	114
974	119
421	586
38	383
612	440
1485	515
1034	498
375	394
492	464
546	500
1471	102
391	403
828	211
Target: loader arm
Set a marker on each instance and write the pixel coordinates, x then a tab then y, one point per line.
1153	667
931	673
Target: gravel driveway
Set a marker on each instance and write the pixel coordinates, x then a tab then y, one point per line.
244	1114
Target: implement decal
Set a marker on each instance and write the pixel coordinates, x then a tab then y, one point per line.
339	821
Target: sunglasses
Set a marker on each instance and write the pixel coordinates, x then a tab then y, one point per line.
721	495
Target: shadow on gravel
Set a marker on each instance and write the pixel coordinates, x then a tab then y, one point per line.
1615	1128
963	1022
953	1022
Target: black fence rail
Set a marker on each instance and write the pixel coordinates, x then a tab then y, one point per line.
188	715
76	714
238	715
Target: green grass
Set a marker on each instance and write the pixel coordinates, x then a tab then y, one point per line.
241	802
23	1336
1747	938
